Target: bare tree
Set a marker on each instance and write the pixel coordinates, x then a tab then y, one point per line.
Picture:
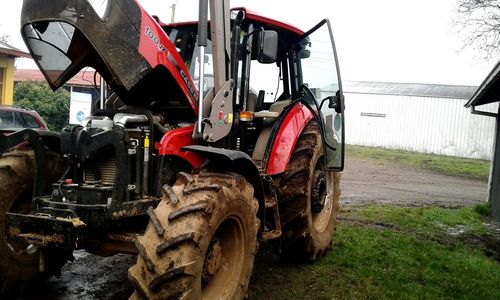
479	21
4	38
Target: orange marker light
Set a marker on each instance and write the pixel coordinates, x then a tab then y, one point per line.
246	116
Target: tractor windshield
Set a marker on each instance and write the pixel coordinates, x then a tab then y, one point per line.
57	47
184	40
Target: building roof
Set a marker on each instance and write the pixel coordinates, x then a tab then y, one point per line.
12	51
83	78
409	89
489	90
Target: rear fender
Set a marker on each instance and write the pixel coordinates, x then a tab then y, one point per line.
284	136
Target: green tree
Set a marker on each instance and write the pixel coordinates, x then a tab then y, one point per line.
52	106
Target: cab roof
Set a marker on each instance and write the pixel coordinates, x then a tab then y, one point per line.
271	23
268	23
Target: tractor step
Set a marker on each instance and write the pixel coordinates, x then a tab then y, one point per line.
271	235
271	203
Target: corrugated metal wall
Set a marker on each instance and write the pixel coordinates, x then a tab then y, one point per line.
423	124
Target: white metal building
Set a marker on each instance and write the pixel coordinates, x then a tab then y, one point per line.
417	117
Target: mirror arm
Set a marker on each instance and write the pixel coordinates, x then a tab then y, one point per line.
260	29
334	102
247	37
330	98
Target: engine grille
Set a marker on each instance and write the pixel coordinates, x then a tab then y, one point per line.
106	172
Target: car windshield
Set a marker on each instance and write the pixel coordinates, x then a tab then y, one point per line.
16	120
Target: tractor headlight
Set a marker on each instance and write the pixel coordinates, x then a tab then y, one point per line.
101	7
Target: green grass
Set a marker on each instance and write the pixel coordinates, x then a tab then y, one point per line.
430	221
449	165
389	252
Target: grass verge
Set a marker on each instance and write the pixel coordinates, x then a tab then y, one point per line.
390	252
449	165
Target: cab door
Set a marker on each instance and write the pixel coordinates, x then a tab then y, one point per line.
321	89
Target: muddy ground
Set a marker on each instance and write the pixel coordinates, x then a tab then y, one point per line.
363	182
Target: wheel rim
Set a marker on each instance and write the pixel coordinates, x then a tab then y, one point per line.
224	260
322	197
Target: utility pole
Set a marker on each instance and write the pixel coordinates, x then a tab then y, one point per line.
172	19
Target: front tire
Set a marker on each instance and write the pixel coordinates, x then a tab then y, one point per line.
309	199
201	240
19	262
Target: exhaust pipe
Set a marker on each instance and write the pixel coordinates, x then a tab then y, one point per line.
122	119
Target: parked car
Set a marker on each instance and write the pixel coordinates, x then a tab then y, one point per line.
14	118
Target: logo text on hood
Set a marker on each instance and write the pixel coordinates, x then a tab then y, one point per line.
156	40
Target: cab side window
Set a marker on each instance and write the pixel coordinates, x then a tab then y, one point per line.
267	78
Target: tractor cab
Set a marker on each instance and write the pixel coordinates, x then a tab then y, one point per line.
272	67
275	67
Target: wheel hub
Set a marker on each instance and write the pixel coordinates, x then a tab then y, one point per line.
319	192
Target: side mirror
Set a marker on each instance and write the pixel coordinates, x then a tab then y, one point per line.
305	53
267	47
336	102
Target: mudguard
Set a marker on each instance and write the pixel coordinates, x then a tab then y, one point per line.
37	138
123	43
36	141
284	136
172	142
234	161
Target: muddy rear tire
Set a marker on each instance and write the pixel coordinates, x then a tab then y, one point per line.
309	200
20	263
200	242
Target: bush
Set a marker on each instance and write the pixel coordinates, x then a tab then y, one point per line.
483	209
52	106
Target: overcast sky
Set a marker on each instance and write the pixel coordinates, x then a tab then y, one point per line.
385	40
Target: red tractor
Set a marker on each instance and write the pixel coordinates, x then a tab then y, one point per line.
213	136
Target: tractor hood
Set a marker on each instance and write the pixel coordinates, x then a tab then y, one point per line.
115	37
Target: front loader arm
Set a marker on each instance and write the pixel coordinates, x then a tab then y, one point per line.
218	124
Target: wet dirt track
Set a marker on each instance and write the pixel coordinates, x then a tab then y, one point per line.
363	182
